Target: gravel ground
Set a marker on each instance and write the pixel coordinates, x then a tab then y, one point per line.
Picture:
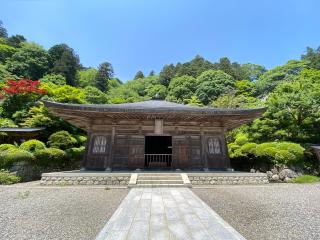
273	211
31	212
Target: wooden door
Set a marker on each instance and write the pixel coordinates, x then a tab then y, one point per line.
180	152
215	152
136	152
195	160
98	153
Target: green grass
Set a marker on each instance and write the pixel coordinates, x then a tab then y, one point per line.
306	179
7	178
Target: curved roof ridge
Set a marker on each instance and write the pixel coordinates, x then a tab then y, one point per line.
153	106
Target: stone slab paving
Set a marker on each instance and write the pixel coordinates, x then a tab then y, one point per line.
166	213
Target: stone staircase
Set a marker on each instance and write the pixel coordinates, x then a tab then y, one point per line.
153	180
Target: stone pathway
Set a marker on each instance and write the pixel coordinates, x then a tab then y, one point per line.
166	213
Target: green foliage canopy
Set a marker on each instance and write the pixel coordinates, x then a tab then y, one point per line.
211	84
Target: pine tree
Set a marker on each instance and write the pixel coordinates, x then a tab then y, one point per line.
3	31
104	74
139	75
64	61
152	73
167	73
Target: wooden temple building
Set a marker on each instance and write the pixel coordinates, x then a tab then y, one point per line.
154	134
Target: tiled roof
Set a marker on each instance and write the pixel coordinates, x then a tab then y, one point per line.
16	129
152	106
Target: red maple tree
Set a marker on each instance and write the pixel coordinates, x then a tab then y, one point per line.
23	86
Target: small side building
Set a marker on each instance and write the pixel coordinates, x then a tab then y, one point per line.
19	135
154	134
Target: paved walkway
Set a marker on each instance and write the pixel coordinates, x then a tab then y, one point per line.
166	213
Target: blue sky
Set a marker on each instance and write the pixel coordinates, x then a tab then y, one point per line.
146	34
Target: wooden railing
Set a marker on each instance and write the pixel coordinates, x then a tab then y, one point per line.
158	160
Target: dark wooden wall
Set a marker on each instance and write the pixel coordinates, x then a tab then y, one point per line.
125	141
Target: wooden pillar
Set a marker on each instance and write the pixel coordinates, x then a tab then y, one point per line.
87	147
226	152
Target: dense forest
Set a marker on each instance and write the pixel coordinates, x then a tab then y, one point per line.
291	93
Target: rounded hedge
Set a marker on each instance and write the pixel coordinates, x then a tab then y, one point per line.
75	153
32	145
241	139
248	147
49	156
6	146
12	156
62	140
81	140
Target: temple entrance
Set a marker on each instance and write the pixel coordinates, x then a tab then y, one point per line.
158	151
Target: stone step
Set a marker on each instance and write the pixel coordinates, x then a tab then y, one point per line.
158	185
159	177
156	181
159	174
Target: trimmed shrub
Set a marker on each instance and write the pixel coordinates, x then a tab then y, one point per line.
32	145
5	147
7	178
62	140
81	140
75	153
294	148
276	153
49	156
13	155
283	157
241	139
267	149
248	147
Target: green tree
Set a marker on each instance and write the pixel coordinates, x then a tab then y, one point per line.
16	40
6	75
139	75
104	74
39	116
270	79
181	89
3	31
94	95
252	72
231	100
69	94
152	73
194	101
211	84
313	57
194	68
64	61
6	52
166	74
226	66
293	111
153	90
29	61
245	87
87	77
114	83
57	79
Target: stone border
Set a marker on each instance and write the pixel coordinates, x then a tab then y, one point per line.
84	178
227	178
129	179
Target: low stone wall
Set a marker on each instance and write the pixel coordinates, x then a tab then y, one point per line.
230	178
122	179
83	178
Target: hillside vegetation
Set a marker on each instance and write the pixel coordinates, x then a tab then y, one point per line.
282	136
